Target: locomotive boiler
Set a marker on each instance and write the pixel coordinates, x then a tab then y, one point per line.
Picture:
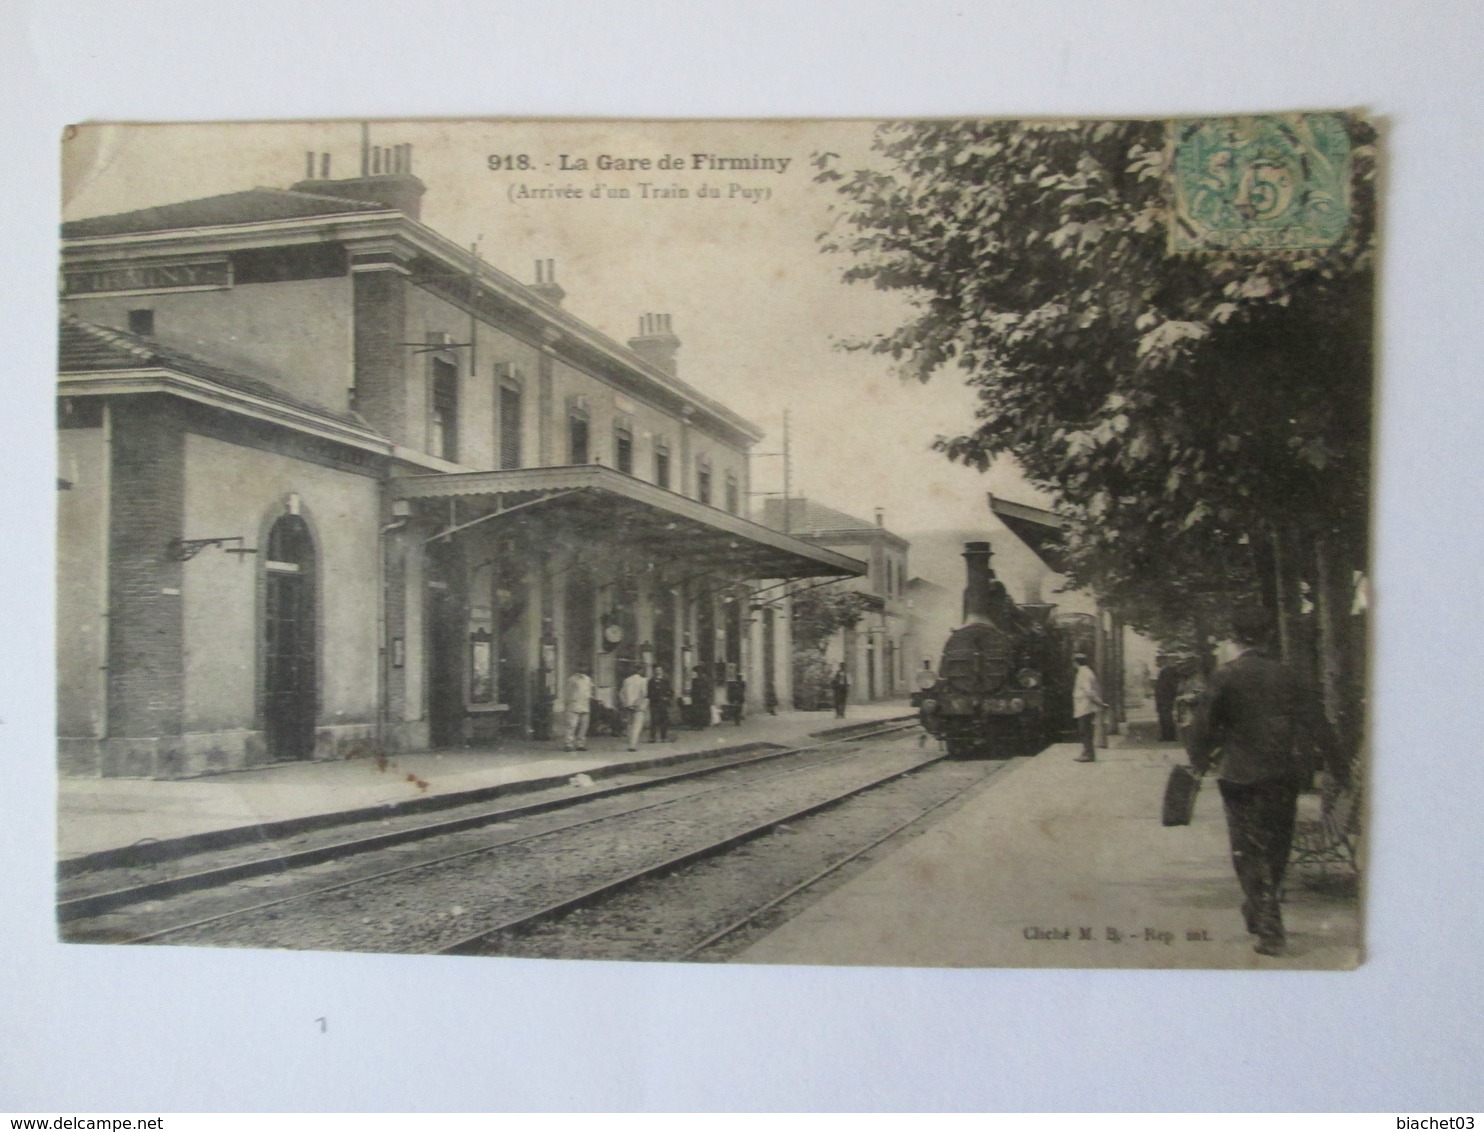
991	698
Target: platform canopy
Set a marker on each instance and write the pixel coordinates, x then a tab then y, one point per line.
587	504
1037	527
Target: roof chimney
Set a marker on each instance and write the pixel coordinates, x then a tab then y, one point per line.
546	285
656	342
880	517
386	177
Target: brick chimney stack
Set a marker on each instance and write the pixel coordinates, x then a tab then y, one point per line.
386	178
656	342
546	285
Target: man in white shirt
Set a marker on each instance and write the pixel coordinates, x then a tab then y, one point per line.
1087	699
926	678
633	697
579	706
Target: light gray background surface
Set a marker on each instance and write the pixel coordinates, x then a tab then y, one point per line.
95	1028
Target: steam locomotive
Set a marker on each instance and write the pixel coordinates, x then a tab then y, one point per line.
1004	683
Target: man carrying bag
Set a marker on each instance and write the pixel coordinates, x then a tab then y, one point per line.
1181	790
1270	731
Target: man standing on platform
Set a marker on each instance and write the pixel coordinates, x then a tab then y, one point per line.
633	697
840	686
1271	734
579	707
661	696
700	698
926	678
1087	701
1166	688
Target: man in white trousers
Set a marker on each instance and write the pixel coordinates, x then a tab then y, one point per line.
1087	701
633	697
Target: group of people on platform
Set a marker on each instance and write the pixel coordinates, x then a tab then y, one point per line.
651	702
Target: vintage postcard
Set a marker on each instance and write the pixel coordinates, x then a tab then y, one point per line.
935	543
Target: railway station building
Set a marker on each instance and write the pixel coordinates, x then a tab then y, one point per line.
331	484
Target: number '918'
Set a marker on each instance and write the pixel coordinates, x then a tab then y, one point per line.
508	161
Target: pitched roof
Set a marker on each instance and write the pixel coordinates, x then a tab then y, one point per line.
86	347
806	517
247	207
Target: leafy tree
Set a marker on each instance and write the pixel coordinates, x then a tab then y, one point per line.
818	614
1198	415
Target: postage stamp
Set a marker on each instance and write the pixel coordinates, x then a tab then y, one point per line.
1276	181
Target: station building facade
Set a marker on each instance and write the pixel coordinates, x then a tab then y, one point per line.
330	484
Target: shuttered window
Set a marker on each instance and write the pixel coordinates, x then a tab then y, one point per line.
623	449
510	421
577	440
444	421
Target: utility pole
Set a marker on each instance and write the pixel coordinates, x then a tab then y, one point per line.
787	454
473	318
787	475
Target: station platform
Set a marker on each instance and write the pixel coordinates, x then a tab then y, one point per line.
98	816
1064	864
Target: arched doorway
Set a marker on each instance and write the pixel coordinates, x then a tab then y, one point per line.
290	680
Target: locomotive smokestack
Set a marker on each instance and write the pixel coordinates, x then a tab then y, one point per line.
977	585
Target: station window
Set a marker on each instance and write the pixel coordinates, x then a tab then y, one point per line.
623	448
444	418
510	422
734	494
662	464
510	414
142	322
579	450
703	481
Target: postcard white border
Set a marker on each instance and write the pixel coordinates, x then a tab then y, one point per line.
104	1029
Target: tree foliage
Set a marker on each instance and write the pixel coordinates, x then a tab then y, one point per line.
1181	407
820	613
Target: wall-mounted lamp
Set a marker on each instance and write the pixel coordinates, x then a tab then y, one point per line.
184	549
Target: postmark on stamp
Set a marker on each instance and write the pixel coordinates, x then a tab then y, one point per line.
1270	182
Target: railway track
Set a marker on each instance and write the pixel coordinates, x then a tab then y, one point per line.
710	904
474	944
96	916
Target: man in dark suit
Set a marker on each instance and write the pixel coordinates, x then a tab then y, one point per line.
1267	733
1166	688
661	696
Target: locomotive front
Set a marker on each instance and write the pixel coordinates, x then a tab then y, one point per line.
989	698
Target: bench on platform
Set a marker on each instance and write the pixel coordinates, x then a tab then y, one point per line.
1331	838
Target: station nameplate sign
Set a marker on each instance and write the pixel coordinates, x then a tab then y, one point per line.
113	277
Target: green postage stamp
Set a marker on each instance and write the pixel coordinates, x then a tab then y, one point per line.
1278	181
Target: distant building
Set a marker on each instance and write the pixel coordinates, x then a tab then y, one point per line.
877	652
